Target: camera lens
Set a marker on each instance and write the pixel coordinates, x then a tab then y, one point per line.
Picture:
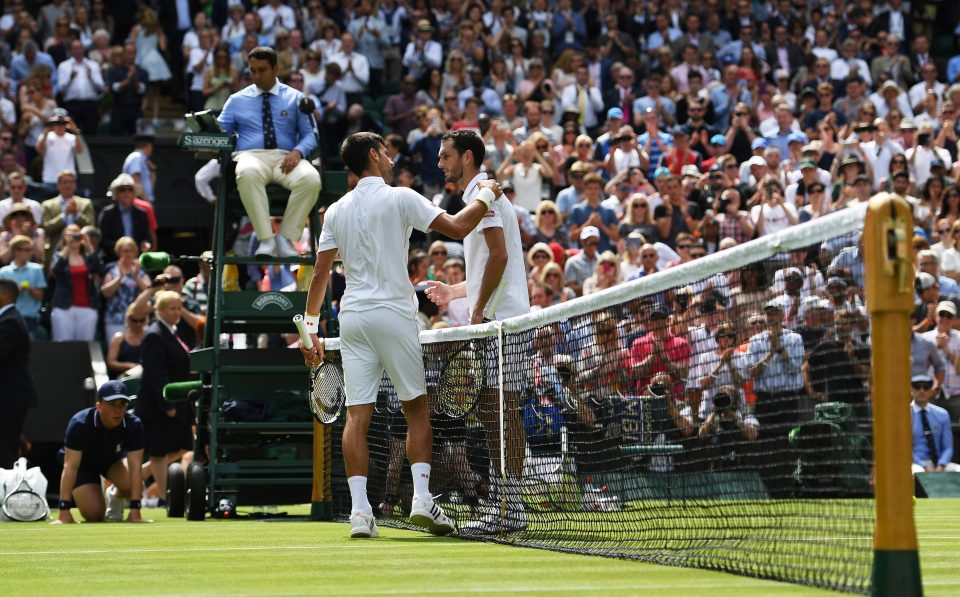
659	389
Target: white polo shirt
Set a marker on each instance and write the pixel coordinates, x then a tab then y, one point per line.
510	298
371	227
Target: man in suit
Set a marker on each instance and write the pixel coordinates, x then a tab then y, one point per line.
64	209
274	138
122	218
782	50
693	36
165	359
895	21
623	94
16	388
930	428
893	62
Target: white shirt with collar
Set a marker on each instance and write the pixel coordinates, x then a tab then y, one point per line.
511	297
80	80
281	16
170	328
371	227
355	80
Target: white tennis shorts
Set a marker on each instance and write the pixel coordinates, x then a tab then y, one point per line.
375	341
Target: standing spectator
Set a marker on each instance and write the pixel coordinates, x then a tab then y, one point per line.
76	274
589	213
275	14
583	97
355	68
734	222
16	392
128	86
726	96
372	36
527	168
220	80
123	281
199	60
422	52
123	218
59	145
36	109
673	216
150	41
399	109
22	64
63	210
165	359
139	165
838	367
30	280
774	213
82	85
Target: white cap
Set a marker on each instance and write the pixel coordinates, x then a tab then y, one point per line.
947	306
757	161
589	231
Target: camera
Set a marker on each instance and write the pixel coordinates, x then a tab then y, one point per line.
659	389
722	402
683	299
923	138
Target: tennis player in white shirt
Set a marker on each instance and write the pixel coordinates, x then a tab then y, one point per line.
370	227
496	288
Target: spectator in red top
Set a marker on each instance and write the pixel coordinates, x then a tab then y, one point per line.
681	155
76	275
660	352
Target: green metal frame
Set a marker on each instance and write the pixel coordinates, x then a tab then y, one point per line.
247	312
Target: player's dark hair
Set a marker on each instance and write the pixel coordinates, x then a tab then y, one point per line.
263	53
9	288
465	140
355	150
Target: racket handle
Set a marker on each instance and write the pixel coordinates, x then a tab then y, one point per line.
302	329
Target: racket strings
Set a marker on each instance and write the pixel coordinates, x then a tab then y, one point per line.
25	506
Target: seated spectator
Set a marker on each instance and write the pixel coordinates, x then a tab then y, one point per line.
64	209
930	427
727	422
128	83
552	276
196	288
123	281
30	280
638	217
606	275
660	352
19	222
123	218
76	276
549	222
589	213
123	353
17	187
601	364
438	257
104	441
538	257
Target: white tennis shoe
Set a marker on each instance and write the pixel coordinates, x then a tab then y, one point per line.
114	504
363	526
427	514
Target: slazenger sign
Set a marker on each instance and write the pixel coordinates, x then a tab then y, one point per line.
272	299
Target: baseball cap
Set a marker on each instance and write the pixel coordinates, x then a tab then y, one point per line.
718	140
899	173
774	305
813	302
759	143
781	73
921	378
937	163
658	311
589	231
907	124
792	272
615	113
113	390
122	180
807	163
850	160
836	281
661	171
947	306
797	138
757	161
924	281
680	129
690	170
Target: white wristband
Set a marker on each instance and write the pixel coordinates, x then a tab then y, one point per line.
486	197
312	323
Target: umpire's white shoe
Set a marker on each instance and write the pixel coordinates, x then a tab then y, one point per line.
492	522
425	513
267	248
285	248
363	526
114	504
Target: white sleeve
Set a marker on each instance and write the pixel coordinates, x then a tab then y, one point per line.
326	240
417	210
493	218
363	72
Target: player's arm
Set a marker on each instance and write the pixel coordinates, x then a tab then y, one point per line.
134	464
492	272
441	293
315	295
460	225
68	478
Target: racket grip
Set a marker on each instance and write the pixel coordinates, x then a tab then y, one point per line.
302	329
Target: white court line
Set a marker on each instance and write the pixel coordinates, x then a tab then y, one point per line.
380	545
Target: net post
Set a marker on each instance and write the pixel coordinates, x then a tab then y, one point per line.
887	253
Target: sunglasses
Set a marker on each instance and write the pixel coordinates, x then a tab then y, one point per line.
540	256
547	212
923	385
444	253
945	314
757	324
639	205
23	249
590	243
684	246
726	335
137	320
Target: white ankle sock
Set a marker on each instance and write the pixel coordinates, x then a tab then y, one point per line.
358	494
421	479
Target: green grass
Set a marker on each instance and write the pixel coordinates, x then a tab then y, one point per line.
263	559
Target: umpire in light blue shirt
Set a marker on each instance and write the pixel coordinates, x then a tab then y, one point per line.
274	137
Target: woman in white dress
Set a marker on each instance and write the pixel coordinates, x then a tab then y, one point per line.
150	42
527	168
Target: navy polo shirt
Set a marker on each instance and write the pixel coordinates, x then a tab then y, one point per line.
102	447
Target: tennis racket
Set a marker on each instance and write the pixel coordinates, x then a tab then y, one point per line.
461	377
327	393
23	504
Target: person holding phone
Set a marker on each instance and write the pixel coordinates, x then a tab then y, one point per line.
923	154
773	214
76	298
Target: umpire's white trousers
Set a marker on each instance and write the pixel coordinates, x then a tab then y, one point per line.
75	323
258	167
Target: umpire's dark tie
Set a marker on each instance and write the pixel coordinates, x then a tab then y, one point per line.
269	134
928	435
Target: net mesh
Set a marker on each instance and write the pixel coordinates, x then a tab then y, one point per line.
713	415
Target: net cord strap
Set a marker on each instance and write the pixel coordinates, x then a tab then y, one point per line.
503	410
830	226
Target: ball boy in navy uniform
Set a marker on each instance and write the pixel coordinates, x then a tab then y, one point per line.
103	441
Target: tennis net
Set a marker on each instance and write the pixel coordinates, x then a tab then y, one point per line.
713	415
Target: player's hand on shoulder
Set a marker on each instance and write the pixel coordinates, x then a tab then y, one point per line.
438	292
492	185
